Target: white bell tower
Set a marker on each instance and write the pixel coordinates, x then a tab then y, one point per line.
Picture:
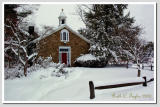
62	18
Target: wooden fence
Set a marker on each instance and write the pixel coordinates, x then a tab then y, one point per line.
92	88
127	66
151	66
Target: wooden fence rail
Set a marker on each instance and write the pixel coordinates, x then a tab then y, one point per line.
148	66
92	88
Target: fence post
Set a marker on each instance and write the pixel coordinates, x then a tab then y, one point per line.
151	67
142	66
145	81
91	87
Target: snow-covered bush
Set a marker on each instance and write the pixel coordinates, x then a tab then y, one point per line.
89	60
42	63
33	68
45	62
56	69
12	73
44	68
59	70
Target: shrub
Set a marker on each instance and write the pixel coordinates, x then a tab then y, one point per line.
12	73
45	62
59	70
41	67
89	60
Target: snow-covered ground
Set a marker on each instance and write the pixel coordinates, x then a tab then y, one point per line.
43	86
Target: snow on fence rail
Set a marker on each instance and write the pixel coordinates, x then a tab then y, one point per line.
123	83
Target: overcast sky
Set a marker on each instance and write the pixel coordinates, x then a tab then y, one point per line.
48	15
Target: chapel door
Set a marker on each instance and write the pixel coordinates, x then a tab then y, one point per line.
64	58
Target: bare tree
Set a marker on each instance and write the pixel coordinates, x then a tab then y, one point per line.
46	30
80	12
18	45
132	45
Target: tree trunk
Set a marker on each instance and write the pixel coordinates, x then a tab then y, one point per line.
25	67
25	70
9	63
18	55
139	71
127	64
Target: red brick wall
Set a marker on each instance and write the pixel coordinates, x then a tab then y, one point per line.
49	46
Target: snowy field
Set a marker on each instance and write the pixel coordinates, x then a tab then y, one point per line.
41	86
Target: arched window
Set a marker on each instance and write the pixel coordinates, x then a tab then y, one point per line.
64	35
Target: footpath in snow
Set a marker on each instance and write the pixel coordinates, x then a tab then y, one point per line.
40	86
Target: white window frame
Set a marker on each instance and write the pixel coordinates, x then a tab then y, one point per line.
68	54
67	35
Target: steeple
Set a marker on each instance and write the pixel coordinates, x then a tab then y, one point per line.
62	18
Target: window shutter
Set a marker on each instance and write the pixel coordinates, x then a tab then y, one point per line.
68	36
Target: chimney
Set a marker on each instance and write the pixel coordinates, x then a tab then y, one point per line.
31	30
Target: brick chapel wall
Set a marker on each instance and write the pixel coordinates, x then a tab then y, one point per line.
49	46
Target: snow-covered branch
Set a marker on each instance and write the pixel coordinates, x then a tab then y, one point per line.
114	55
32	55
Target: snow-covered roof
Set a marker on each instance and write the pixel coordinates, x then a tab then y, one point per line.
67	27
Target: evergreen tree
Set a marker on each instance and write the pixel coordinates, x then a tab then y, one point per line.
102	28
113	33
10	14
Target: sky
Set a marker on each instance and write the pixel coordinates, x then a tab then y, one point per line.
48	15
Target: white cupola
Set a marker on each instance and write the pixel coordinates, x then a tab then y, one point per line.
62	18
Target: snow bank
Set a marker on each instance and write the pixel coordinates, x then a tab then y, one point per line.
86	57
41	86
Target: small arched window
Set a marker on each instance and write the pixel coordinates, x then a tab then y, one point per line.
64	35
